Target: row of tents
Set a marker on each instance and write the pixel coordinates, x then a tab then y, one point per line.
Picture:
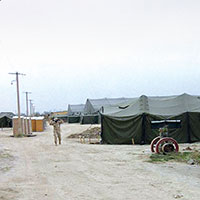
124	120
89	113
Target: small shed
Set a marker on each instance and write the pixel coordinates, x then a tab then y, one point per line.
39	124
33	123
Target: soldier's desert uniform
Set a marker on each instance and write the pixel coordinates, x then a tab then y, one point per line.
56	130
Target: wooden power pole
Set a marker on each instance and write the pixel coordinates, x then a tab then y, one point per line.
19	131
27	113
31	107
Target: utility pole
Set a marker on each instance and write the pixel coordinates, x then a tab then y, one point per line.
31	128
27	113
18	101
31	107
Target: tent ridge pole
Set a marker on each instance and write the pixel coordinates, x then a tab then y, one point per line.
143	128
188	127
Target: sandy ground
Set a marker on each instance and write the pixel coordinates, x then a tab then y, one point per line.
34	169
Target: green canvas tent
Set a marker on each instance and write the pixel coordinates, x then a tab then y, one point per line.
76	109
90	119
6	119
93	106
73	119
123	122
75	112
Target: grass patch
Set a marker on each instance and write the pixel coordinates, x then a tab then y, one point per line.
187	157
5	169
5	155
5	161
20	135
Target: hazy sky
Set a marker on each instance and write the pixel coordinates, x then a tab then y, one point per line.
71	50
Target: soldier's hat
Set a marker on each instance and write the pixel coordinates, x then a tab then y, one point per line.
56	119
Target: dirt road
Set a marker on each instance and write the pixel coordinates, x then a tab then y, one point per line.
34	169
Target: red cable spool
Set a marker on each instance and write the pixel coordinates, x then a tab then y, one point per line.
153	143
166	140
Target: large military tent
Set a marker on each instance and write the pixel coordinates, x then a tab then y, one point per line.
137	120
74	119
6	119
90	119
93	106
75	109
75	112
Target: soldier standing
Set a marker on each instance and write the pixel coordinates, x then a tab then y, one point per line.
56	129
